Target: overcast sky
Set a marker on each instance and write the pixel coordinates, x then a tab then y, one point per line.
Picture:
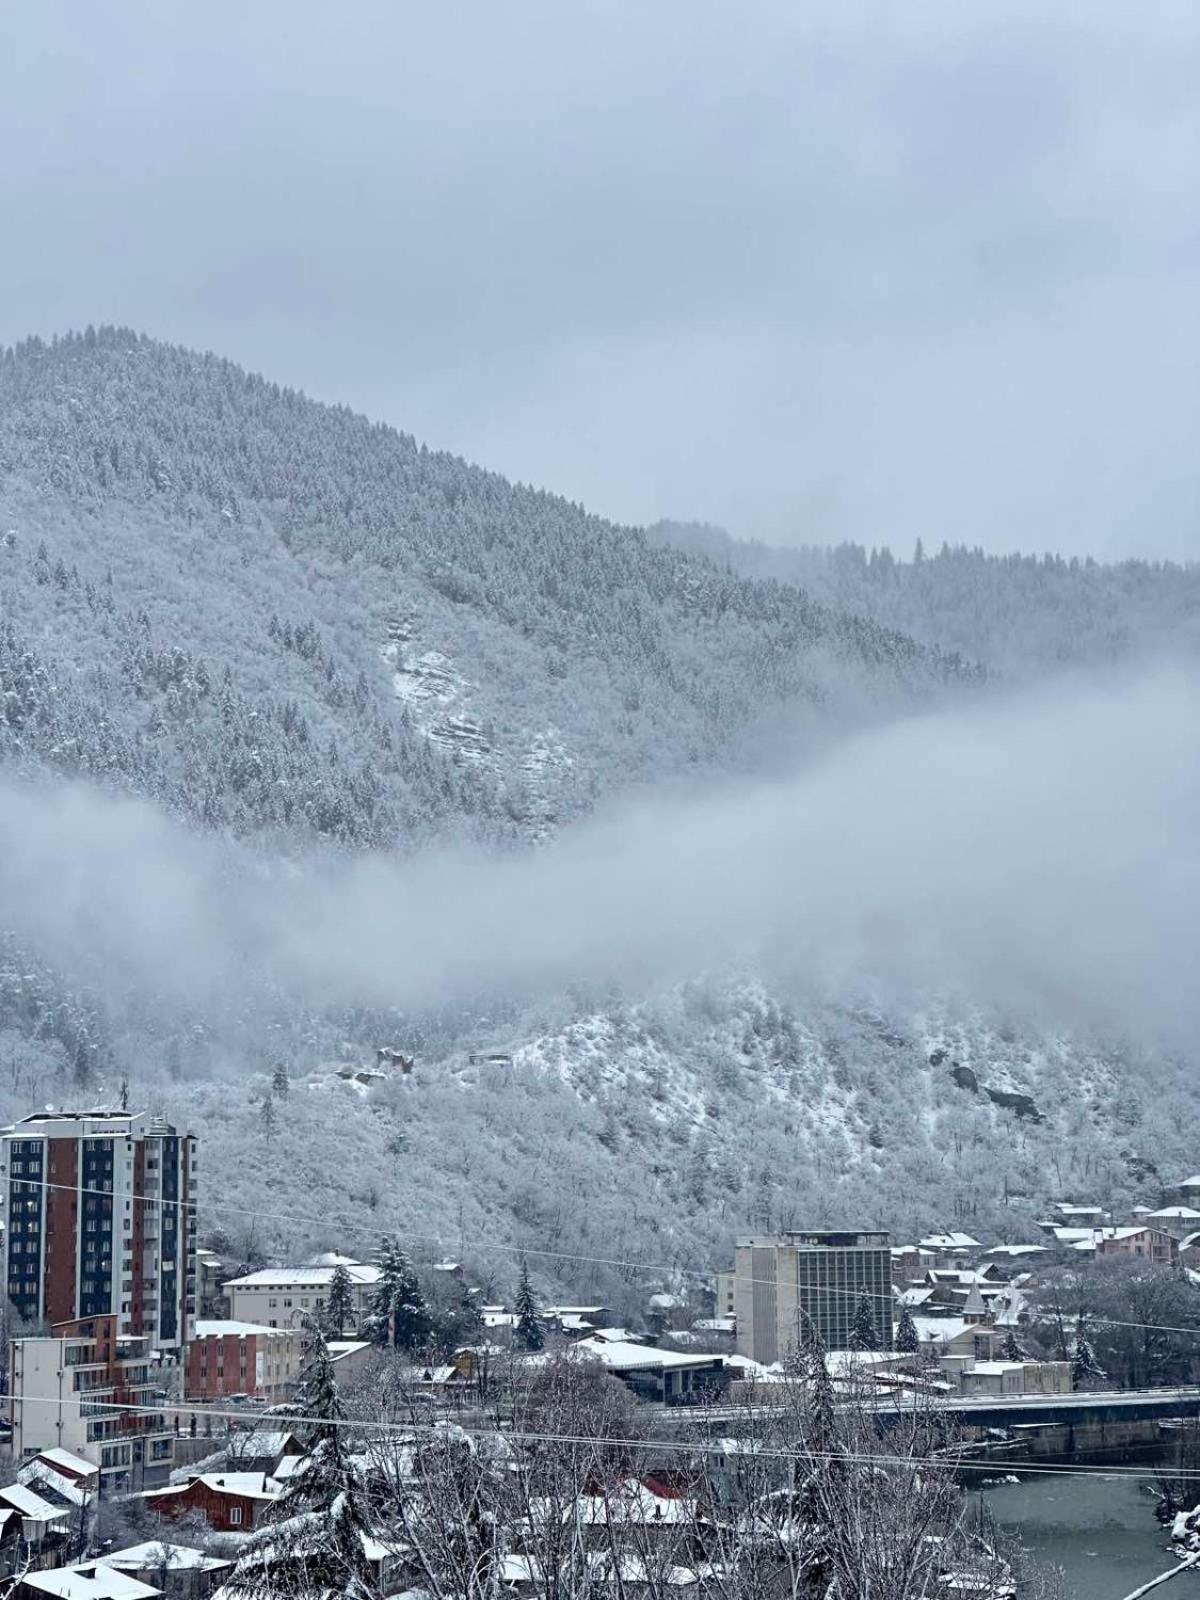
808	268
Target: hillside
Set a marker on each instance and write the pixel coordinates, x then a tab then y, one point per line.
276	617
1022	615
306	649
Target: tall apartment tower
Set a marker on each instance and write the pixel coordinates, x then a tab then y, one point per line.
782	1285
102	1221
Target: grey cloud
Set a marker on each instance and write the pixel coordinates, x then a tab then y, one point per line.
834	270
1038	855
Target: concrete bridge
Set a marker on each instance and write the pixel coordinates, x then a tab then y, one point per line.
1082	1409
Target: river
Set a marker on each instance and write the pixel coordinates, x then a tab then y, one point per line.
1102	1532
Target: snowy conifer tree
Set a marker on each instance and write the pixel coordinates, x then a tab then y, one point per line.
529	1329
315	1531
862	1333
401	1317
1086	1371
907	1338
339	1307
1012	1350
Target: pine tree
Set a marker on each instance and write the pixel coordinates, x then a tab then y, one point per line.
334	1561
529	1329
401	1315
822	1408
907	1339
862	1332
280	1084
339	1307
267	1118
1012	1350
1086	1371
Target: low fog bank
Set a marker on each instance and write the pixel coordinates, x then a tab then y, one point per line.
1040	853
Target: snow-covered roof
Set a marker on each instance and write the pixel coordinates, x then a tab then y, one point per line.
247	1485
1188	1183
98	1582
225	1328
916	1295
716	1325
938	1330
31	1505
1189	1240
153	1553
572	1311
637	1357
1017	1250
330	1258
993	1369
38	1474
76	1466
302	1277
339	1349
259	1442
949	1241
1176	1214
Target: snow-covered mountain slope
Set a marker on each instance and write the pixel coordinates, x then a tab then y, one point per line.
1026	616
307	638
626	1148
278	618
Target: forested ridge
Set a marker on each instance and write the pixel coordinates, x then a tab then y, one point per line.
306	637
202	573
1023	615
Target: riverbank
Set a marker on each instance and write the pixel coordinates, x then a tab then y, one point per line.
1101	1531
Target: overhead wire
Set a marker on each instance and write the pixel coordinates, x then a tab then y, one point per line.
225	1208
446	1428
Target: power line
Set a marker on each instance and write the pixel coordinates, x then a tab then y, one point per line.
225	1208
441	1430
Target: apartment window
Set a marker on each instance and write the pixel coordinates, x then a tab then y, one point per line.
272	1304
235	1516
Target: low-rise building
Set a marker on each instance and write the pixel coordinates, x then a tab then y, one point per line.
1178	1220
951	1249
86	1391
670	1376
229	1357
958	1336
281	1297
230	1502
1145	1243
1001	1377
178	1570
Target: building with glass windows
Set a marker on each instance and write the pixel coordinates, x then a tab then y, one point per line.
783	1286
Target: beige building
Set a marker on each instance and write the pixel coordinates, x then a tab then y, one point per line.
89	1390
281	1297
781	1285
1146	1243
724	1294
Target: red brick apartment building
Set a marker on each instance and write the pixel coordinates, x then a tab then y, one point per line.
227	1358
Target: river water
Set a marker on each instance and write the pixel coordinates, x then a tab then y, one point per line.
1102	1532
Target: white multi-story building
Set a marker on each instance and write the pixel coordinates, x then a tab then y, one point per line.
89	1390
101	1220
282	1297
